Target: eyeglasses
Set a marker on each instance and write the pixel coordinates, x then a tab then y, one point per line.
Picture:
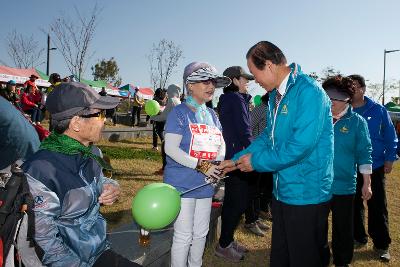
101	115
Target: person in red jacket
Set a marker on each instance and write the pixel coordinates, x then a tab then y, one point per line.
31	103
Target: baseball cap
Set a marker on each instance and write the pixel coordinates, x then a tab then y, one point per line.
236	72
202	71
67	99
12	82
335	94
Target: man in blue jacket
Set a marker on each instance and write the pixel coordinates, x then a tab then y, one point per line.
297	146
384	145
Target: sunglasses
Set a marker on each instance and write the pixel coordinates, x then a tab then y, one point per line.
101	115
207	82
344	101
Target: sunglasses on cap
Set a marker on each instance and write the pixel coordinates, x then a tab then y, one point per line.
101	115
206	82
340	100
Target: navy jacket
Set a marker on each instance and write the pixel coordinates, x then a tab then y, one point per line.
68	224
234	115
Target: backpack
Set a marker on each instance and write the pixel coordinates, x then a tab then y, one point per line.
15	202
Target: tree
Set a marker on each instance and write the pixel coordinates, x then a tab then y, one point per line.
72	37
107	70
375	90
163	59
329	72
23	50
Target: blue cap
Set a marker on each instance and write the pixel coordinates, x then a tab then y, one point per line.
12	82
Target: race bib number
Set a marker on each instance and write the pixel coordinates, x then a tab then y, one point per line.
206	141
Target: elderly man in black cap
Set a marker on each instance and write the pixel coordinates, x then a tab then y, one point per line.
66	180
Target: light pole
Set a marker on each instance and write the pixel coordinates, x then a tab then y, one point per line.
384	71
48	54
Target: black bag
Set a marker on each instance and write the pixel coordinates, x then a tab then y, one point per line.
15	199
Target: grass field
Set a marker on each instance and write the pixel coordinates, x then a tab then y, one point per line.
135	164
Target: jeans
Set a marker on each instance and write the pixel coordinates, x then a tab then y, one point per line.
190	232
35	113
136	115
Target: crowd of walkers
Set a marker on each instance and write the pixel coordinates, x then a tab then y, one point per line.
307	150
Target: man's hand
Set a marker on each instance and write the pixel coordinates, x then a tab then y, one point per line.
110	194
227	166
244	163
387	167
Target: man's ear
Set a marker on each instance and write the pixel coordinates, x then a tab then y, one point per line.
75	124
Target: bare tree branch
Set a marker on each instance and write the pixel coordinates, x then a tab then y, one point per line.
24	51
73	38
163	59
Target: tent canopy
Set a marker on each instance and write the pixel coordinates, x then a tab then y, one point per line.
145	92
392	107
22	75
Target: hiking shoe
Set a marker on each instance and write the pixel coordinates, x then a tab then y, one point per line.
239	247
254	228
265	215
384	254
262	225
229	253
358	244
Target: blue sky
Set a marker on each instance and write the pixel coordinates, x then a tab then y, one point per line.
348	35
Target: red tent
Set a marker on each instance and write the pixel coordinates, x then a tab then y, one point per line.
21	75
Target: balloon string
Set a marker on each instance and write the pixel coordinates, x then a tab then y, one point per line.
197	187
138	231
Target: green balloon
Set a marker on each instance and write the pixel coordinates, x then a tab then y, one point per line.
257	100
156	205
152	107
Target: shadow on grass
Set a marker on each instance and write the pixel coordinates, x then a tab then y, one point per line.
130	153
364	255
137	177
130	142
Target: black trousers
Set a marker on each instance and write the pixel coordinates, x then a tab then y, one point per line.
136	114
266	187
378	218
158	129
111	259
253	199
342	207
299	235
235	204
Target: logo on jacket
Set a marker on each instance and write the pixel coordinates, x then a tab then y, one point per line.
284	109
40	202
344	129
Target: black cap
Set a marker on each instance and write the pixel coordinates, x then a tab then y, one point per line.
67	99
54	77
236	72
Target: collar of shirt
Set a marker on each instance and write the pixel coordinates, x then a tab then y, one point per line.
282	86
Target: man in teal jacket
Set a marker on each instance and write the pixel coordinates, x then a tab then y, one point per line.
297	146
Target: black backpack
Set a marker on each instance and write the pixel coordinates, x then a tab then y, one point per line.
15	201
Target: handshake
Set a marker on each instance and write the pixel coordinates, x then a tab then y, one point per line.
216	170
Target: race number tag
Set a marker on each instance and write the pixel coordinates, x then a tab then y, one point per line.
206	141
